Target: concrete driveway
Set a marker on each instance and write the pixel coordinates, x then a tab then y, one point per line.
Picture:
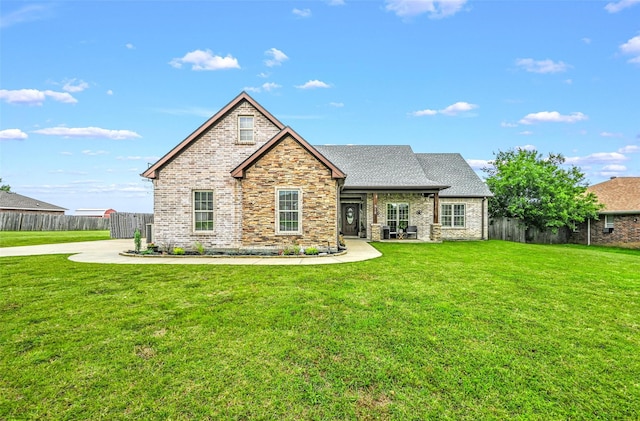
108	251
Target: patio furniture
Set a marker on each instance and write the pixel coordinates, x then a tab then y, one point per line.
412	230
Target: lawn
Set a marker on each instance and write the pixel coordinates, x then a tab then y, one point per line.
460	330
34	238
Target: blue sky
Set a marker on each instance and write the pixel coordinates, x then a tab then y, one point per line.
92	92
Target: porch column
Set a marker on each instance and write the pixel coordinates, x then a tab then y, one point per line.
375	208
375	226
436	228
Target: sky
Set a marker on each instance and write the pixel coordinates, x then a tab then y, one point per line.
93	92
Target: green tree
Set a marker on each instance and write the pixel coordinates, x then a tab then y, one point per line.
538	190
4	187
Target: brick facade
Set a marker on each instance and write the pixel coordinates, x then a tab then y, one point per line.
626	230
205	165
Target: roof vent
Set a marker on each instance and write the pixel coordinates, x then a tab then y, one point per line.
614	177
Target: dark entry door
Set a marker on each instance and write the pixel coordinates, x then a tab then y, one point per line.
350	219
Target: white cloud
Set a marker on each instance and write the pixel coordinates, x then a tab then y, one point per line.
205	60
629	149
622	4
632	48
109	92
478	164
267	87
130	46
12	134
91	132
435	8
74	85
451	110
30	13
336	3
313	84
598	158
614	167
527	148
505	124
34	96
609	134
552	116
337	104
89	152
277	57
526	133
542	66
586	40
302	13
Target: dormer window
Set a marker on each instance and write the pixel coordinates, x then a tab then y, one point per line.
245	129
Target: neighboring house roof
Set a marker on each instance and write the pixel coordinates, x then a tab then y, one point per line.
239	171
452	169
378	167
151	171
618	195
18	202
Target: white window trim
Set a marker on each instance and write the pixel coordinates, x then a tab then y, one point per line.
453	215
608	224
193	210
253	132
277	208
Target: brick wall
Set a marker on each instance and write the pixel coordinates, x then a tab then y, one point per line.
421	215
206	164
289	165
626	230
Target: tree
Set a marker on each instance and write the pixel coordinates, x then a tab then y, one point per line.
538	191
4	187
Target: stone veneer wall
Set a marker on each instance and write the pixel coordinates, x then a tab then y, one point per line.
289	165
206	165
424	220
626	230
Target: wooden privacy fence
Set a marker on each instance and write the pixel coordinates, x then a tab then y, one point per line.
511	229
124	224
16	221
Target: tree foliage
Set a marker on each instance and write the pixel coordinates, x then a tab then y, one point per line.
538	190
4	187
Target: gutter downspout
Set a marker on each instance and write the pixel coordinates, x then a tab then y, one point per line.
484	201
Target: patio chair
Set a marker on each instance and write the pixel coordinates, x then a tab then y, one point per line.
412	230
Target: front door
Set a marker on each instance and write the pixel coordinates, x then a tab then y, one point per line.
350	219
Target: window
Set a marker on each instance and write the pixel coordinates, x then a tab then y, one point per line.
397	216
608	221
452	215
245	129
289	211
203	210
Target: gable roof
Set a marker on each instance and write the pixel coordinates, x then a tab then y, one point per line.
455	171
240	170
151	171
18	202
619	194
376	167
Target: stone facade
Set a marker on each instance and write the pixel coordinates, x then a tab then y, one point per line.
205	165
289	165
626	230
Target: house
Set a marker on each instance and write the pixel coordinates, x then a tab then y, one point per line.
14	202
619	220
95	213
244	179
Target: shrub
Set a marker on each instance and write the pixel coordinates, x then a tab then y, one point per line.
198	247
137	240
178	251
291	250
311	251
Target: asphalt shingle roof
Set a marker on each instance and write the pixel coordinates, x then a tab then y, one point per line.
379	166
620	194
15	201
452	169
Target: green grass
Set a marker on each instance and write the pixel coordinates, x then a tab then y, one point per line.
479	330
34	238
